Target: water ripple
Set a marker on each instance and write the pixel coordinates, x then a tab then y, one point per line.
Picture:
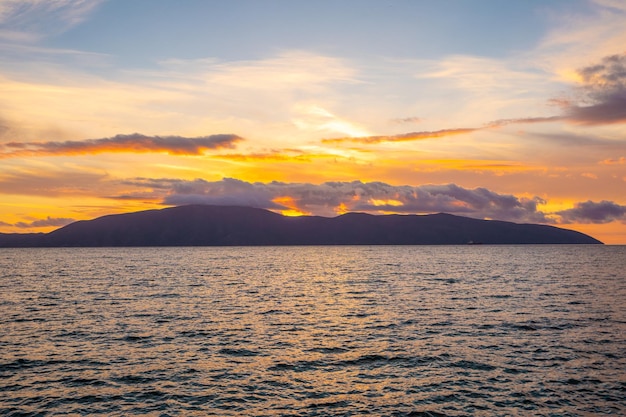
312	331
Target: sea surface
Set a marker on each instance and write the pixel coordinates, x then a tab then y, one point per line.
314	331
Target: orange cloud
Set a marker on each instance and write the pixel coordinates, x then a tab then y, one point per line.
475	165
273	156
133	143
404	136
616	161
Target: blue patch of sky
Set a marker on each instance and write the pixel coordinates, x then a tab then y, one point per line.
143	32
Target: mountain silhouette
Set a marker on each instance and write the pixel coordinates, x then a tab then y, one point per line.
204	225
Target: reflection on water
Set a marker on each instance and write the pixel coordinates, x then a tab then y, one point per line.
312	331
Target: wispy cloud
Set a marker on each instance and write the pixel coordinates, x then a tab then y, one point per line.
404	137
575	38
602	101
288	155
134	143
278	99
523	120
53	184
412	136
30	20
406	120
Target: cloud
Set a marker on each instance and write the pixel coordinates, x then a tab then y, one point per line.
614	161
227	192
250	97
592	212
47	222
331	198
612	4
403	120
524	120
603	101
275	155
30	20
404	137
134	143
604	93
577	36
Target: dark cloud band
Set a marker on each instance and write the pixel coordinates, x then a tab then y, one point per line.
133	143
331	198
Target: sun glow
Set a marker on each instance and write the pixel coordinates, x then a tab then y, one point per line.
341	209
292	209
390	202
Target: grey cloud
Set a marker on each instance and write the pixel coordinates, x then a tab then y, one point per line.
48	221
451	198
592	212
605	91
373	197
225	193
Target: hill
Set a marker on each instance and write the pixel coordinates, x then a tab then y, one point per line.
202	225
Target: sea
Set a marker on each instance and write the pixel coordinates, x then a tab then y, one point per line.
430	331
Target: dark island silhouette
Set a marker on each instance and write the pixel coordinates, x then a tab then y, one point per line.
205	225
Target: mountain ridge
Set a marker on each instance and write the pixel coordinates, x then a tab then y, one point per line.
207	225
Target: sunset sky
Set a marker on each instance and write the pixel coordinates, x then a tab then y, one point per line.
508	110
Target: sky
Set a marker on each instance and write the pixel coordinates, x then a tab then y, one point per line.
506	110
